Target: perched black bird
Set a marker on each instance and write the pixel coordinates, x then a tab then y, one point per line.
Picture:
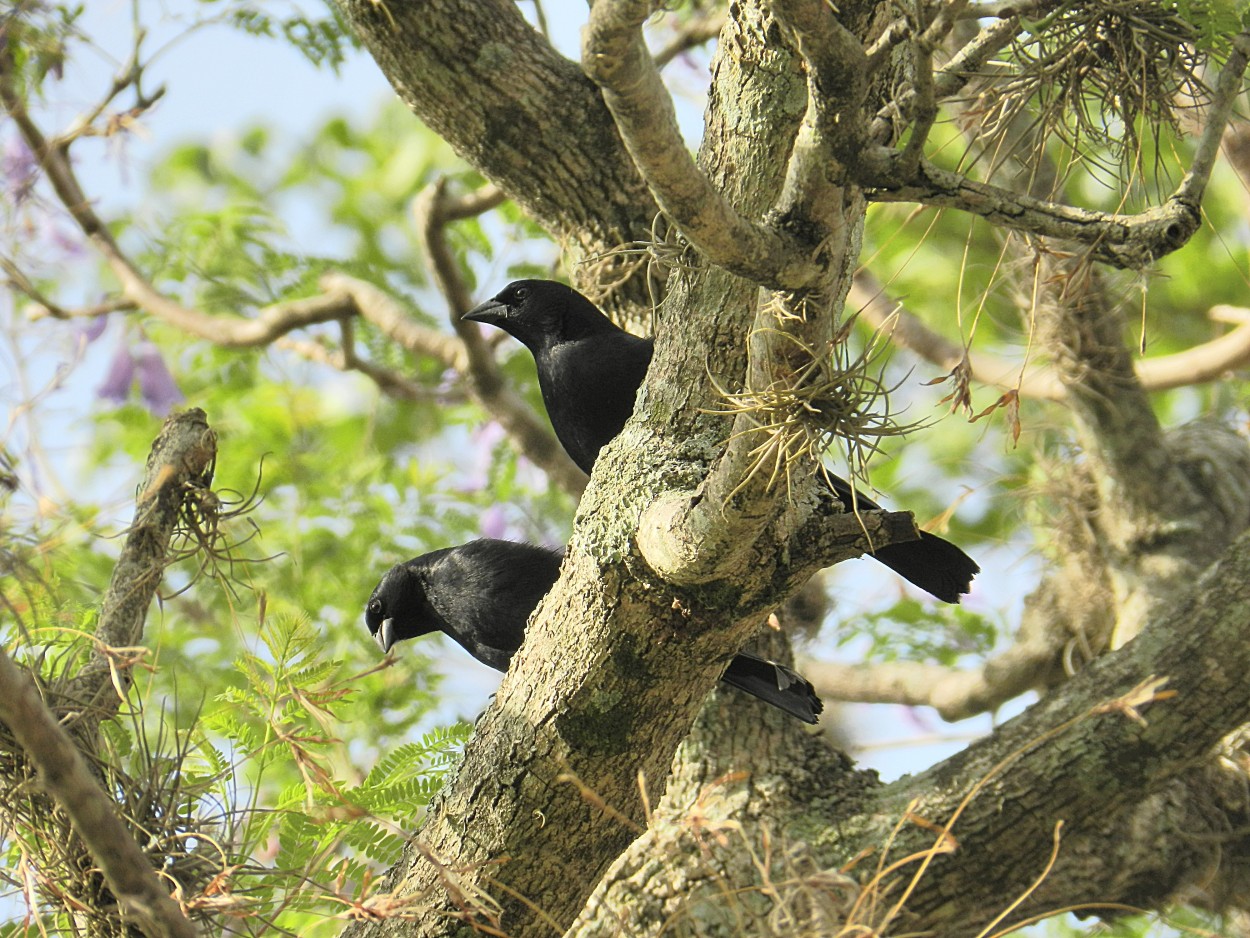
481	594
589	371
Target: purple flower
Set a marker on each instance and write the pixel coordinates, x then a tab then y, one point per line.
485	438
18	169
93	329
121	375
156	384
61	237
493	522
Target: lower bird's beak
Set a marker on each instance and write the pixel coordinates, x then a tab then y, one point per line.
385	635
490	312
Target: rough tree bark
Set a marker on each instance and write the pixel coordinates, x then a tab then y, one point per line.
674	559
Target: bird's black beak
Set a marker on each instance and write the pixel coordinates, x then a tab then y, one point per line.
491	312
385	635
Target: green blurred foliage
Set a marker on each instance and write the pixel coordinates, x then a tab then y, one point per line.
1181	922
908	631
305	764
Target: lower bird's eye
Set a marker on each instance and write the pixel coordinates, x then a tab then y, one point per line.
375	607
521	293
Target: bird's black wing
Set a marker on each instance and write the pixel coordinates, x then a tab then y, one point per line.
589	387
774	684
932	563
481	594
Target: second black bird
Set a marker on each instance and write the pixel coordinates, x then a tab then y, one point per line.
482	593
589	372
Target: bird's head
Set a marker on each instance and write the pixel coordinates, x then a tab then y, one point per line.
399	609
539	313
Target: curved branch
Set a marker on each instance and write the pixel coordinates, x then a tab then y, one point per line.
1211	361
967	63
531	435
702	28
64	774
344	358
955	695
832	133
616	58
1227	90
1130	241
434	209
53	157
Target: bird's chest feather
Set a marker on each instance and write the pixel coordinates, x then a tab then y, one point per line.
589	393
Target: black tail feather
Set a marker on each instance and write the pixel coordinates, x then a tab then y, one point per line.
935	565
775	684
932	563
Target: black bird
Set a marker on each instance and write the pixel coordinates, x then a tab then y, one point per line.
481	594
589	371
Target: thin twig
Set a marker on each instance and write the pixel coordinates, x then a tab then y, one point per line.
699	30
434	209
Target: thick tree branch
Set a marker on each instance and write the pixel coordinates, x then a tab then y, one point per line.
64	774
691	537
1115	733
832	133
1110	755
696	536
1150	547
490	85
616	58
954	694
1130	241
179	472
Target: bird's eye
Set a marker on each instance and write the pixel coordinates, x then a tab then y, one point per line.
375	607
520	293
